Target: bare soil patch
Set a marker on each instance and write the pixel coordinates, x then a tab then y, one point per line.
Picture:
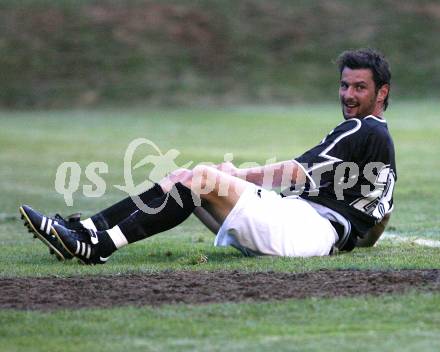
196	287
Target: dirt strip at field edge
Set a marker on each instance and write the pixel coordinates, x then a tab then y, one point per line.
197	287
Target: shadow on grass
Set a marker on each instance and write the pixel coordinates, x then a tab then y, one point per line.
184	255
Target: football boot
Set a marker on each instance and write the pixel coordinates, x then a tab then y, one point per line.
82	244
40	226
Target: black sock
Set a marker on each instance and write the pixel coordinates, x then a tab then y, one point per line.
142	224
114	214
105	244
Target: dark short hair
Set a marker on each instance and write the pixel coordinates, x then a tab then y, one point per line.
371	59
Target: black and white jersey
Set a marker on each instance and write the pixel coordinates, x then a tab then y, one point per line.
353	172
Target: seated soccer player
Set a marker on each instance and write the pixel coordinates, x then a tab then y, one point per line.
339	193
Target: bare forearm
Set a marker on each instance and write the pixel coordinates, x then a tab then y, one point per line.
373	235
282	174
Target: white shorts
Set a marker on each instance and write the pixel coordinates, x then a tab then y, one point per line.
263	222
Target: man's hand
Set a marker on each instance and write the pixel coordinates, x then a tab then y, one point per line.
373	235
228	168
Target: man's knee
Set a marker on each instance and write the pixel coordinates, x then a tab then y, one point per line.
177	176
204	179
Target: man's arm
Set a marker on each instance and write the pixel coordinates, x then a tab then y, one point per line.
283	174
373	235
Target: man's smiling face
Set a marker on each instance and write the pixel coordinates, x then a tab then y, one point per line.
358	94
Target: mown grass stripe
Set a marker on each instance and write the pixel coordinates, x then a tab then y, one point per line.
396	238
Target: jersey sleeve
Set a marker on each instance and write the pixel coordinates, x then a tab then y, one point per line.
379	202
352	171
340	145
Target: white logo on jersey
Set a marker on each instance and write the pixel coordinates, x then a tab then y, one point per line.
378	202
328	159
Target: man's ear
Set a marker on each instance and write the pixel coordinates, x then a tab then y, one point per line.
383	93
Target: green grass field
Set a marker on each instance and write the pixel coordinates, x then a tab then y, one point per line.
34	144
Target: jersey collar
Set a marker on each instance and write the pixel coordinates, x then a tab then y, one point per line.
375	118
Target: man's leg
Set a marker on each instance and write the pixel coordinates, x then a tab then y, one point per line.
218	191
207	219
114	214
204	186
40	224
